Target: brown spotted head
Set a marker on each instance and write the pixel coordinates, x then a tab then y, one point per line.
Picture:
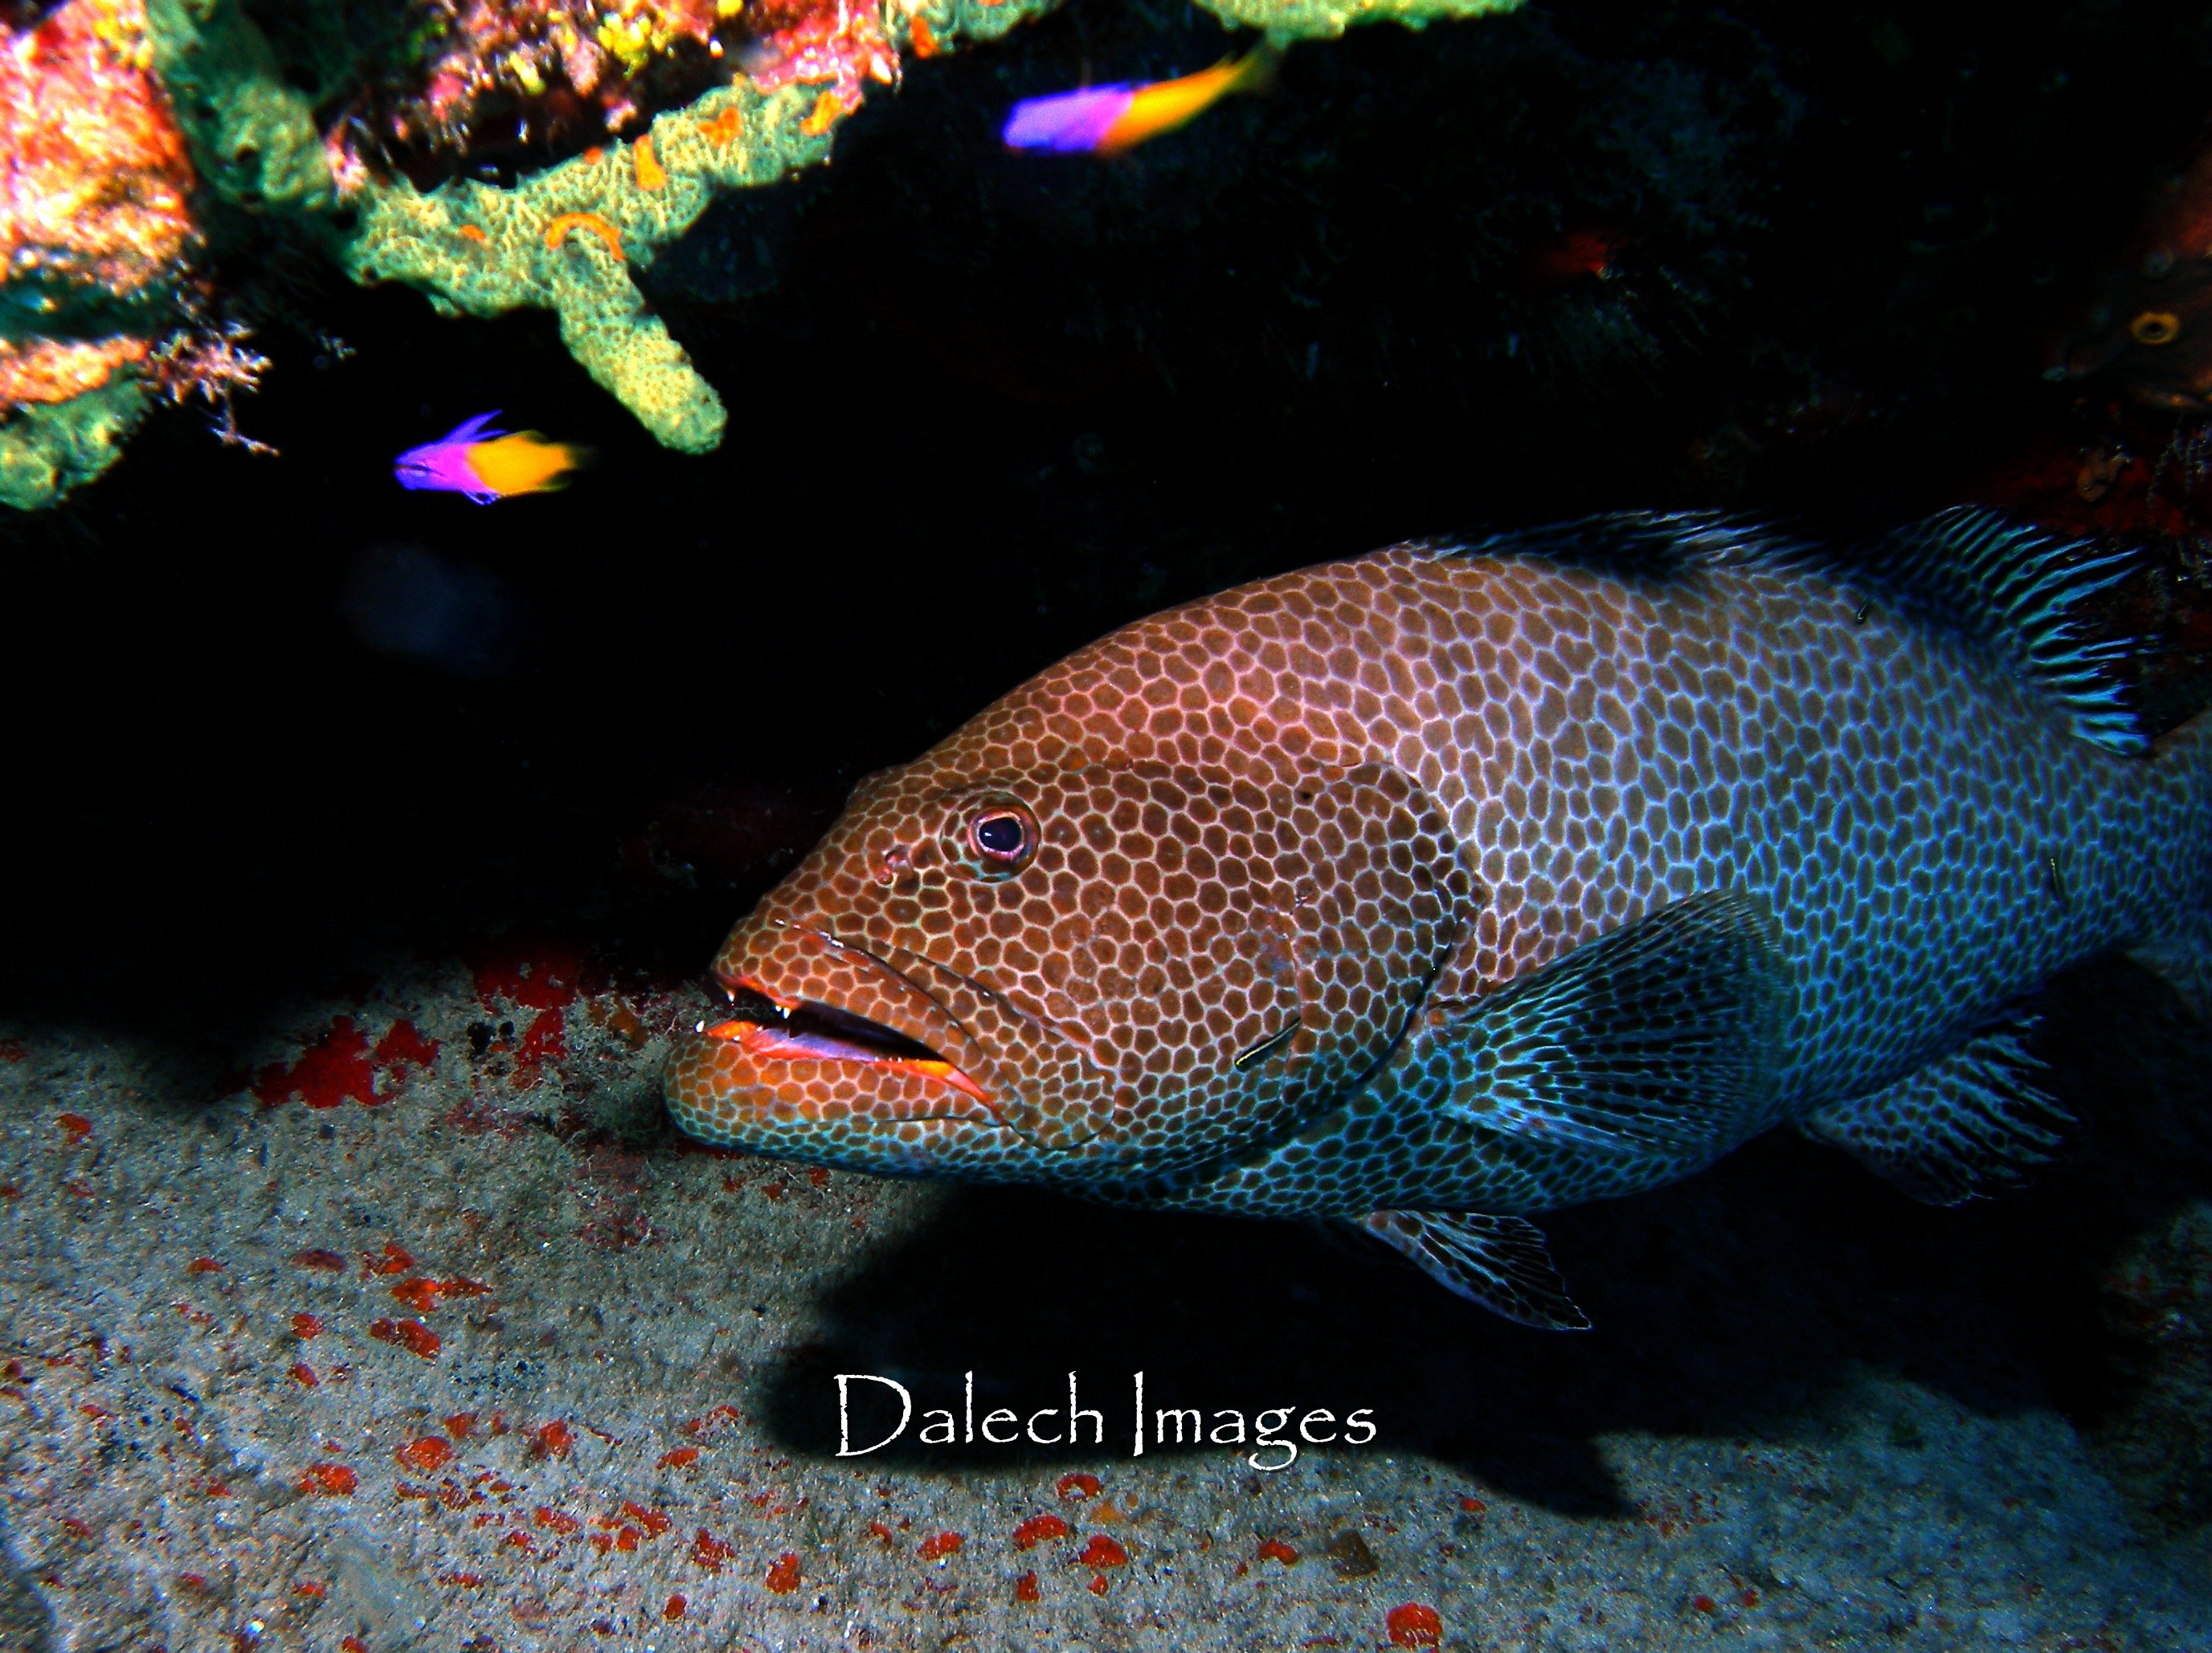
1061	946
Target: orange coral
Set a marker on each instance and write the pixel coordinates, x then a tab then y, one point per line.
97	175
557	231
54	369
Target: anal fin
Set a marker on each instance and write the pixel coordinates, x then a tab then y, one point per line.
1959	1128
1500	1262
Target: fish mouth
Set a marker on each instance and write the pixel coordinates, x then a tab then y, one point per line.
771	1028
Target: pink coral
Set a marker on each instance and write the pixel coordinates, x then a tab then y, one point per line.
522	48
843	43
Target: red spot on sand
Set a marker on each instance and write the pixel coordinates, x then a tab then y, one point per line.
626	1540
426	1454
423	1295
311	1591
682	1458
72	1524
675	1607
537	975
558	1521
203	1266
889	1538
517	1541
652	1520
306	1326
1097	1584
460	1424
1076	1485
352	1644
939	1544
304	1375
396	1260
96	1412
1704	1604
12	1050
315	1257
460	1580
1472	1506
1414	1625
783	1577
552	1440
1039	1528
1025	1588
412	1336
1103	1552
332	1478
192	1580
818	1177
1274	1549
75	1127
709	1552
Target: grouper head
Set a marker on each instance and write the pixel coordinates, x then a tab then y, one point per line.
1122	922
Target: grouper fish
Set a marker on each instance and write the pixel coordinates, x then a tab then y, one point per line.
1463	881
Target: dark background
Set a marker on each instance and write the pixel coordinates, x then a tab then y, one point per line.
985	407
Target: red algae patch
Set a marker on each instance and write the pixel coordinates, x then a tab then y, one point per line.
939	1545
1414	1625
1103	1552
1076	1485
425	1455
412	1336
783	1575
1275	1550
339	1065
1039	1529
534	975
333	1479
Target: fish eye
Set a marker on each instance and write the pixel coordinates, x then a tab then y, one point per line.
1002	836
2155	327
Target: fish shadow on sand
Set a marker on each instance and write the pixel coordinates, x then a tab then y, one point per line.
1743	1304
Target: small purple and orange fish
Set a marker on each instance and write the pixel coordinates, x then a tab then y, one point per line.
1111	119
487	464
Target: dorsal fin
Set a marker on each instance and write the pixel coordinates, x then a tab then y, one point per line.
2024	593
2018	590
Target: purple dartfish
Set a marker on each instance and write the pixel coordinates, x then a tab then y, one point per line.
487	464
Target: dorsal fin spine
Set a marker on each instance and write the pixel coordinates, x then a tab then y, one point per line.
2015	589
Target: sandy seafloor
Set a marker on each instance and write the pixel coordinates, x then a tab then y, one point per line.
1813	1415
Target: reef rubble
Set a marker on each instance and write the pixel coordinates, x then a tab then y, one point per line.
145	130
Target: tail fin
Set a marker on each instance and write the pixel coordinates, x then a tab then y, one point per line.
2181	950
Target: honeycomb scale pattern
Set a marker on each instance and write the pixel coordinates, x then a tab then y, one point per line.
1279	842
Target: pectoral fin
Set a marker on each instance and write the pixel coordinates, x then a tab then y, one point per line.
1662	1039
1959	1128
1499	1263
